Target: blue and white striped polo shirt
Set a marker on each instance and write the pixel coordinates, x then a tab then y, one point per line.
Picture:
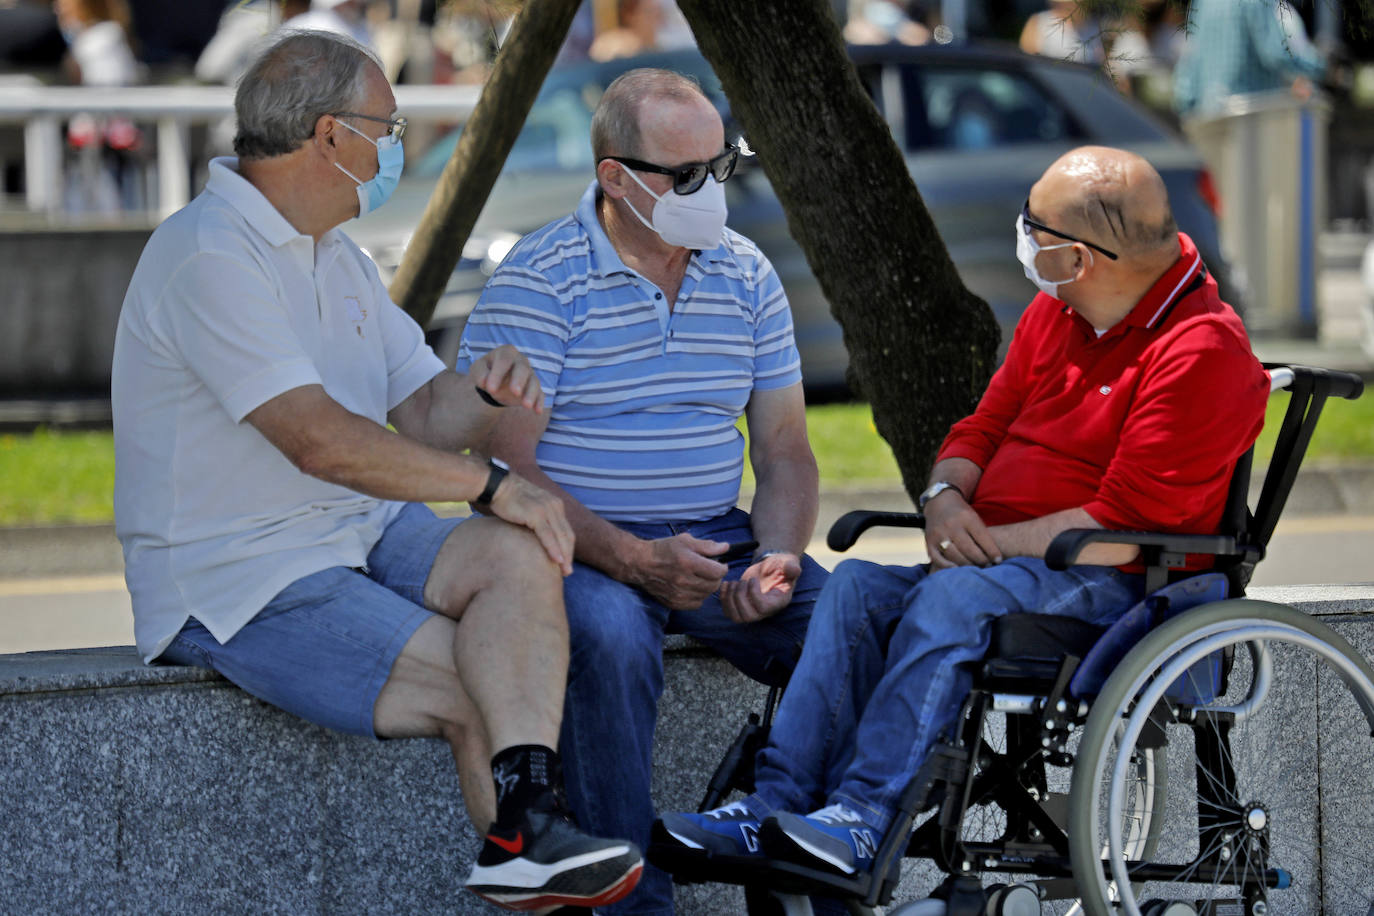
642	400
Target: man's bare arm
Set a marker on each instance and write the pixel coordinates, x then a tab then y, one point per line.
786	501
448	412
325	440
677	571
1032	538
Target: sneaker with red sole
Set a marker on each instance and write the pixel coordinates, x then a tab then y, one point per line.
546	861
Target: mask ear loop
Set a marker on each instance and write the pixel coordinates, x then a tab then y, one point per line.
631	172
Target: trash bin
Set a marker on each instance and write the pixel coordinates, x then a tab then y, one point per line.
1267	155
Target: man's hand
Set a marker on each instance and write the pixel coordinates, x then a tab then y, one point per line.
506	375
763	590
956	536
521	502
678	572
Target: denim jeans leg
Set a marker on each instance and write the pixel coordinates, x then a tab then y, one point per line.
812	739
615	678
944	631
766	650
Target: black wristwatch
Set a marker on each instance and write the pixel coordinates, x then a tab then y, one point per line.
497	472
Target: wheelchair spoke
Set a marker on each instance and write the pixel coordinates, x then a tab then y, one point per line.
1269	786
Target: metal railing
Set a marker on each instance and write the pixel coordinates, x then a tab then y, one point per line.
42	110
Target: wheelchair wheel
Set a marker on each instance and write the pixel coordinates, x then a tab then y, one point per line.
1145	798
1263	718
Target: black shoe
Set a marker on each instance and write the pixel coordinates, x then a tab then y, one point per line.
546	861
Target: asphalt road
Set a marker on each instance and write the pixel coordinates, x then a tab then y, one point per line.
91	608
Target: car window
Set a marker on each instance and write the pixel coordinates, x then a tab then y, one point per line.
980	109
965	107
557	132
1092	99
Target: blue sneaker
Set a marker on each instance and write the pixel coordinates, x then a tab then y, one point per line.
727	833
835	837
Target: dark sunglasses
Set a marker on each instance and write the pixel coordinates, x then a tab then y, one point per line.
1028	224
687	178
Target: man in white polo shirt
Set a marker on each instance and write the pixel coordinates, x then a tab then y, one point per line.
653	329
274	528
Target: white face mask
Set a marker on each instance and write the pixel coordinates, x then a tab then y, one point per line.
1026	250
695	220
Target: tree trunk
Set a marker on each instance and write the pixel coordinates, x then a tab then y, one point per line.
462	189
921	346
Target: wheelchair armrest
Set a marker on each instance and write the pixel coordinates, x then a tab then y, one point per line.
849	526
1066	546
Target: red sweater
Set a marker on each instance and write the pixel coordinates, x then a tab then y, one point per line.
1140	427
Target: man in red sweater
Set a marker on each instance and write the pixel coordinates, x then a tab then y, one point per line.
1127	395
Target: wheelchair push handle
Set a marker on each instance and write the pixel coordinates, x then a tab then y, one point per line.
1331	382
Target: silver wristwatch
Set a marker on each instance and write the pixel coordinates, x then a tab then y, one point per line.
935	490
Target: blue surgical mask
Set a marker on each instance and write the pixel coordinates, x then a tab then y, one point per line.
377	190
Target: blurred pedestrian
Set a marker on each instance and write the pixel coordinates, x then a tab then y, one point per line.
1065	30
1238	47
346	17
242	27
880	21
1146	49
104	177
636	31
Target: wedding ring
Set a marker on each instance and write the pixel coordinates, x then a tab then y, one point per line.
944	545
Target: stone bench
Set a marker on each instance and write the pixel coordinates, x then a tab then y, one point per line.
132	789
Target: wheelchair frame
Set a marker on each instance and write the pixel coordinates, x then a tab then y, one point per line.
1043	715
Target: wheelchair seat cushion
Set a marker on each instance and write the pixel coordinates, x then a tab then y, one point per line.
1131	628
1041	636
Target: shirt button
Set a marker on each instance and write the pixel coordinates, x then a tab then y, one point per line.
658	295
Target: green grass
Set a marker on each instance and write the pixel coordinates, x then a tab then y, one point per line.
49	478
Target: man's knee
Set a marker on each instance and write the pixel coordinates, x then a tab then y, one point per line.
485	554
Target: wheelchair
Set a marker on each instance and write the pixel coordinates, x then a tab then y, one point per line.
1206	754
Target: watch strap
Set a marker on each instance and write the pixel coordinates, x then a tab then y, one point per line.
496	473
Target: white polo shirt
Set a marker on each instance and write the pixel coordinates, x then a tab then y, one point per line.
229	307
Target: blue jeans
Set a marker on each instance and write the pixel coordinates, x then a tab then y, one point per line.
887	666
615	678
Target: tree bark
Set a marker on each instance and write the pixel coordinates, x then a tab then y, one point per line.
462	189
921	346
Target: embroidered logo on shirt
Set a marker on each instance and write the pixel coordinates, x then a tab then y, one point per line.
356	313
1105	389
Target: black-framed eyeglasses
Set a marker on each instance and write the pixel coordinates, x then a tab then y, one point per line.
1027	224
395	127
687	178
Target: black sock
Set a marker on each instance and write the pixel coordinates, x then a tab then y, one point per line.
523	774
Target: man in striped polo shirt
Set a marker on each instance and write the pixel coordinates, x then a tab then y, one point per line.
652	329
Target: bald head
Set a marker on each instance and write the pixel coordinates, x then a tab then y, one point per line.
620	116
1112	198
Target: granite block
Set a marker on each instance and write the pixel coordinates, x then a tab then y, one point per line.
126	788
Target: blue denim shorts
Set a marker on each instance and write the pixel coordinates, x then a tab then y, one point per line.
324	646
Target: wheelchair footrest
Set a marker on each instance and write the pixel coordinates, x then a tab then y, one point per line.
696	866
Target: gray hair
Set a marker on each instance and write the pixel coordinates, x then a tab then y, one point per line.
615	123
298	78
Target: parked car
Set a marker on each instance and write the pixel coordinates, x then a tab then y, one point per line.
978	124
